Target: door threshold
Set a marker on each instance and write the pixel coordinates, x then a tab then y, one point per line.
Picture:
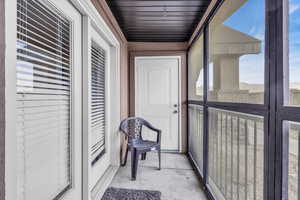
171	151
103	183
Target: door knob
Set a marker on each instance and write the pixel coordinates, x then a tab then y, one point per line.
175	111
175	105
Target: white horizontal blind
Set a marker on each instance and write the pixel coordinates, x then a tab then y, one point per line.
97	102
43	101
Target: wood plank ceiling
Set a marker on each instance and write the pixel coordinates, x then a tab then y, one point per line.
158	20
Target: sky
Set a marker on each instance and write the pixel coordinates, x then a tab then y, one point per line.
250	19
294	40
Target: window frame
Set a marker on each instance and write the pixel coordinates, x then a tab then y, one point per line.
285	112
267	110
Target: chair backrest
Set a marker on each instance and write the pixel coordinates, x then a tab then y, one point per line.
132	127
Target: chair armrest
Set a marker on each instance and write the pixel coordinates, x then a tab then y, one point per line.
158	136
158	131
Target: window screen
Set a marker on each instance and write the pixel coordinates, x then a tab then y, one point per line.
237	53
195	70
98	102
43	101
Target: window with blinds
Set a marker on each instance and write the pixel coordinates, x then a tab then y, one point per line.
97	102
43	101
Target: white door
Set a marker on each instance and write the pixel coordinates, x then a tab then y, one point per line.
49	132
157	97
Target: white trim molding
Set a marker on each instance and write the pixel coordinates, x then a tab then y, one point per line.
10	99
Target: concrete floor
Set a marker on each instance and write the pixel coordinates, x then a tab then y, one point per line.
176	180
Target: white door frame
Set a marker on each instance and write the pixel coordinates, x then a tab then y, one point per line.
90	16
179	91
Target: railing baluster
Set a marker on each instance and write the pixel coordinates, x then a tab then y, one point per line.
211	135
238	157
191	127
231	153
221	152
226	152
255	157
192	121
210	152
246	159
217	151
298	165
214	145
196	135
200	140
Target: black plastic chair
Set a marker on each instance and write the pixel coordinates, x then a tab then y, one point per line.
132	128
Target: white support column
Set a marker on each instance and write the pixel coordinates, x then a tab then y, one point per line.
229	76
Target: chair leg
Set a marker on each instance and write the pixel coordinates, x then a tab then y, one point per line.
134	163
125	159
144	156
159	158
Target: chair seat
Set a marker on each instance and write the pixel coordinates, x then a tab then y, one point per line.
144	144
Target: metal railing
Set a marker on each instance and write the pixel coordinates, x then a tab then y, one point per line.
236	155
196	135
291	173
